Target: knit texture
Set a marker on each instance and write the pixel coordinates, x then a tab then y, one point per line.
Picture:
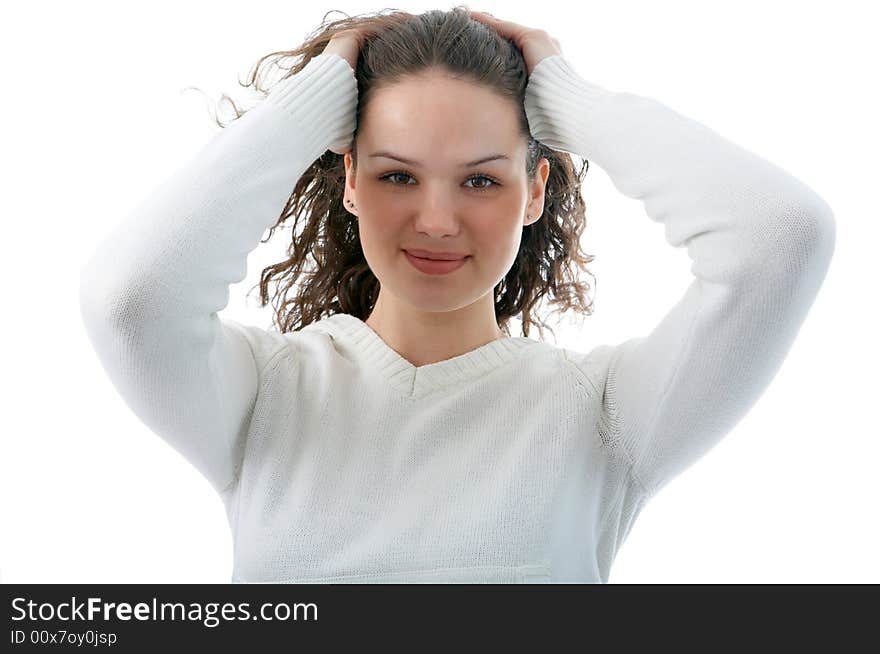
339	461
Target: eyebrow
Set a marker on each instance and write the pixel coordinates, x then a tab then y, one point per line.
410	162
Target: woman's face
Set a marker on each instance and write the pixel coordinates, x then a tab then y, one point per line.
441	202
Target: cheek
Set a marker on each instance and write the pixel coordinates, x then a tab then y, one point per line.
496	244
380	235
382	212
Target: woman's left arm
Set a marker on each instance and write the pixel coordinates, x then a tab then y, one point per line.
760	242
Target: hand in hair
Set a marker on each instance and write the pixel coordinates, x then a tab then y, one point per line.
536	44
347	44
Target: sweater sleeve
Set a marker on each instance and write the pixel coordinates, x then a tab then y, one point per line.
760	242
150	293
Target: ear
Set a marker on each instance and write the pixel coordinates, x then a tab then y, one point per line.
348	196
535	206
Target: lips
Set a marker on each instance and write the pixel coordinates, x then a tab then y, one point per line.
436	256
433	267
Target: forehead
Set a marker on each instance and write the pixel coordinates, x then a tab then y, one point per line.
438	116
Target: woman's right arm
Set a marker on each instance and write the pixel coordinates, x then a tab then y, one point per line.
150	293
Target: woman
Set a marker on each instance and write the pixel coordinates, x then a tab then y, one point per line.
392	430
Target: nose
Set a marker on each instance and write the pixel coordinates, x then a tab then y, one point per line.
438	220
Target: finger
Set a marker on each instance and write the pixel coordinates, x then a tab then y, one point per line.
492	19
506	28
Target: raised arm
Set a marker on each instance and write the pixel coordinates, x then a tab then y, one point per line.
760	242
150	293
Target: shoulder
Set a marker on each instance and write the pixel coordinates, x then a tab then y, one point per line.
265	344
591	367
268	345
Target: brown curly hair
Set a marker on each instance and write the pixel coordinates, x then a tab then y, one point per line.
339	280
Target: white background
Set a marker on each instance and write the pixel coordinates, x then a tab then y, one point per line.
94	115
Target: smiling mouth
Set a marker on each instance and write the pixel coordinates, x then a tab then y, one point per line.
435	266
436	258
433	259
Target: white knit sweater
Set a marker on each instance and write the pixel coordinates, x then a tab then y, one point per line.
339	461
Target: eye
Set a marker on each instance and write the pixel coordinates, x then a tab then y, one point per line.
485	187
390	175
488	179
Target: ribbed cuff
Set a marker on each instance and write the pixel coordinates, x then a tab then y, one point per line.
560	104
322	99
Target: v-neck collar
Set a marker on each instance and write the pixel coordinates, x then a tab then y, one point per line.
358	340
